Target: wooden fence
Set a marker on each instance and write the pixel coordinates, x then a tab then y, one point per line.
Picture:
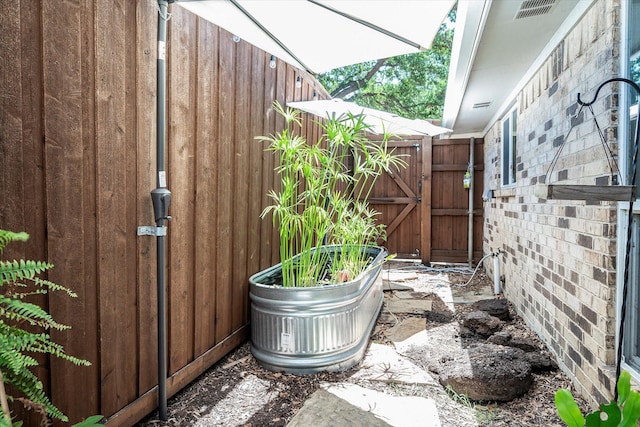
77	164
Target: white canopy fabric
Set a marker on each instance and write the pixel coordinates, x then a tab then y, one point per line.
320	35
379	121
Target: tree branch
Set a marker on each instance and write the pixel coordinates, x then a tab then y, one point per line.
354	85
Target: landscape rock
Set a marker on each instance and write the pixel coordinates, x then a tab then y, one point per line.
482	323
495	307
541	362
487	372
500	338
523	344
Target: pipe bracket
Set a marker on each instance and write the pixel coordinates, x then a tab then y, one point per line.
149	230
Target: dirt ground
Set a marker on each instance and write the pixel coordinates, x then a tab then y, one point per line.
535	408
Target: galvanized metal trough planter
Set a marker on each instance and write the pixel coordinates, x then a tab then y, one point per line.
312	329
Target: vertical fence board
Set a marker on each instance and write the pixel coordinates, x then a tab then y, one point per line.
255	164
146	65
267	247
68	70
205	236
118	296
181	152
241	203
21	150
225	131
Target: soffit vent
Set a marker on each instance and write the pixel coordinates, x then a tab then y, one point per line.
481	104
530	8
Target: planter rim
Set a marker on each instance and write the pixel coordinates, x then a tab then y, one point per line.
380	253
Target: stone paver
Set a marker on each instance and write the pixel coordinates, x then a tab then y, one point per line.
383	363
241	403
407	328
405	411
325	409
408	306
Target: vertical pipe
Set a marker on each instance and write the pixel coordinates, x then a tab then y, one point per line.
496	273
160	222
471	190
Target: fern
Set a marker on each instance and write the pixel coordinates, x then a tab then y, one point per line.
19	280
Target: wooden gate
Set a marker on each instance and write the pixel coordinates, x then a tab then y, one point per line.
426	206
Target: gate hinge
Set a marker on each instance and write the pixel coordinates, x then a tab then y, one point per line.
150	230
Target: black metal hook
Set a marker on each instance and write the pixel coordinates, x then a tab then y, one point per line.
615	79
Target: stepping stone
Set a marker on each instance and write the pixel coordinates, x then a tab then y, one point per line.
408	327
394	410
383	363
325	409
240	404
408	306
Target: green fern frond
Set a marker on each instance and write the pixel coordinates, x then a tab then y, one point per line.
11	271
33	389
48	285
7	237
22	311
17	344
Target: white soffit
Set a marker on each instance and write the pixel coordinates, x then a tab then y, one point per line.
501	45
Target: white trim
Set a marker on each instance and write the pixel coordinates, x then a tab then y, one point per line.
573	18
510	116
471	17
623	207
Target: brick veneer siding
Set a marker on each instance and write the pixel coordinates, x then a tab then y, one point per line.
559	265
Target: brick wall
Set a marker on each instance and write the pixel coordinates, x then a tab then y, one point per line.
559	265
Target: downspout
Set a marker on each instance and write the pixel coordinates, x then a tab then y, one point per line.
471	191
161	197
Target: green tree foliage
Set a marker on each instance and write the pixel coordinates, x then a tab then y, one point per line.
412	86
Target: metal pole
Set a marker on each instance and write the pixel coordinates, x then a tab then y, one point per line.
162	201
471	190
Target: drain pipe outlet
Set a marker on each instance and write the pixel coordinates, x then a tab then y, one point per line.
496	272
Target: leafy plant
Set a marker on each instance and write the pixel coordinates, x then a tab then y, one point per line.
23	331
624	412
322	201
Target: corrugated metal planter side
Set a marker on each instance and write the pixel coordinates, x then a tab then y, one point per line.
324	328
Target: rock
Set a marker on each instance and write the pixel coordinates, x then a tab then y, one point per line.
495	307
500	338
541	362
523	344
487	372
482	323
438	317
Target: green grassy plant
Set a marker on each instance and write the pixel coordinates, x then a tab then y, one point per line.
624	412
24	330
321	200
